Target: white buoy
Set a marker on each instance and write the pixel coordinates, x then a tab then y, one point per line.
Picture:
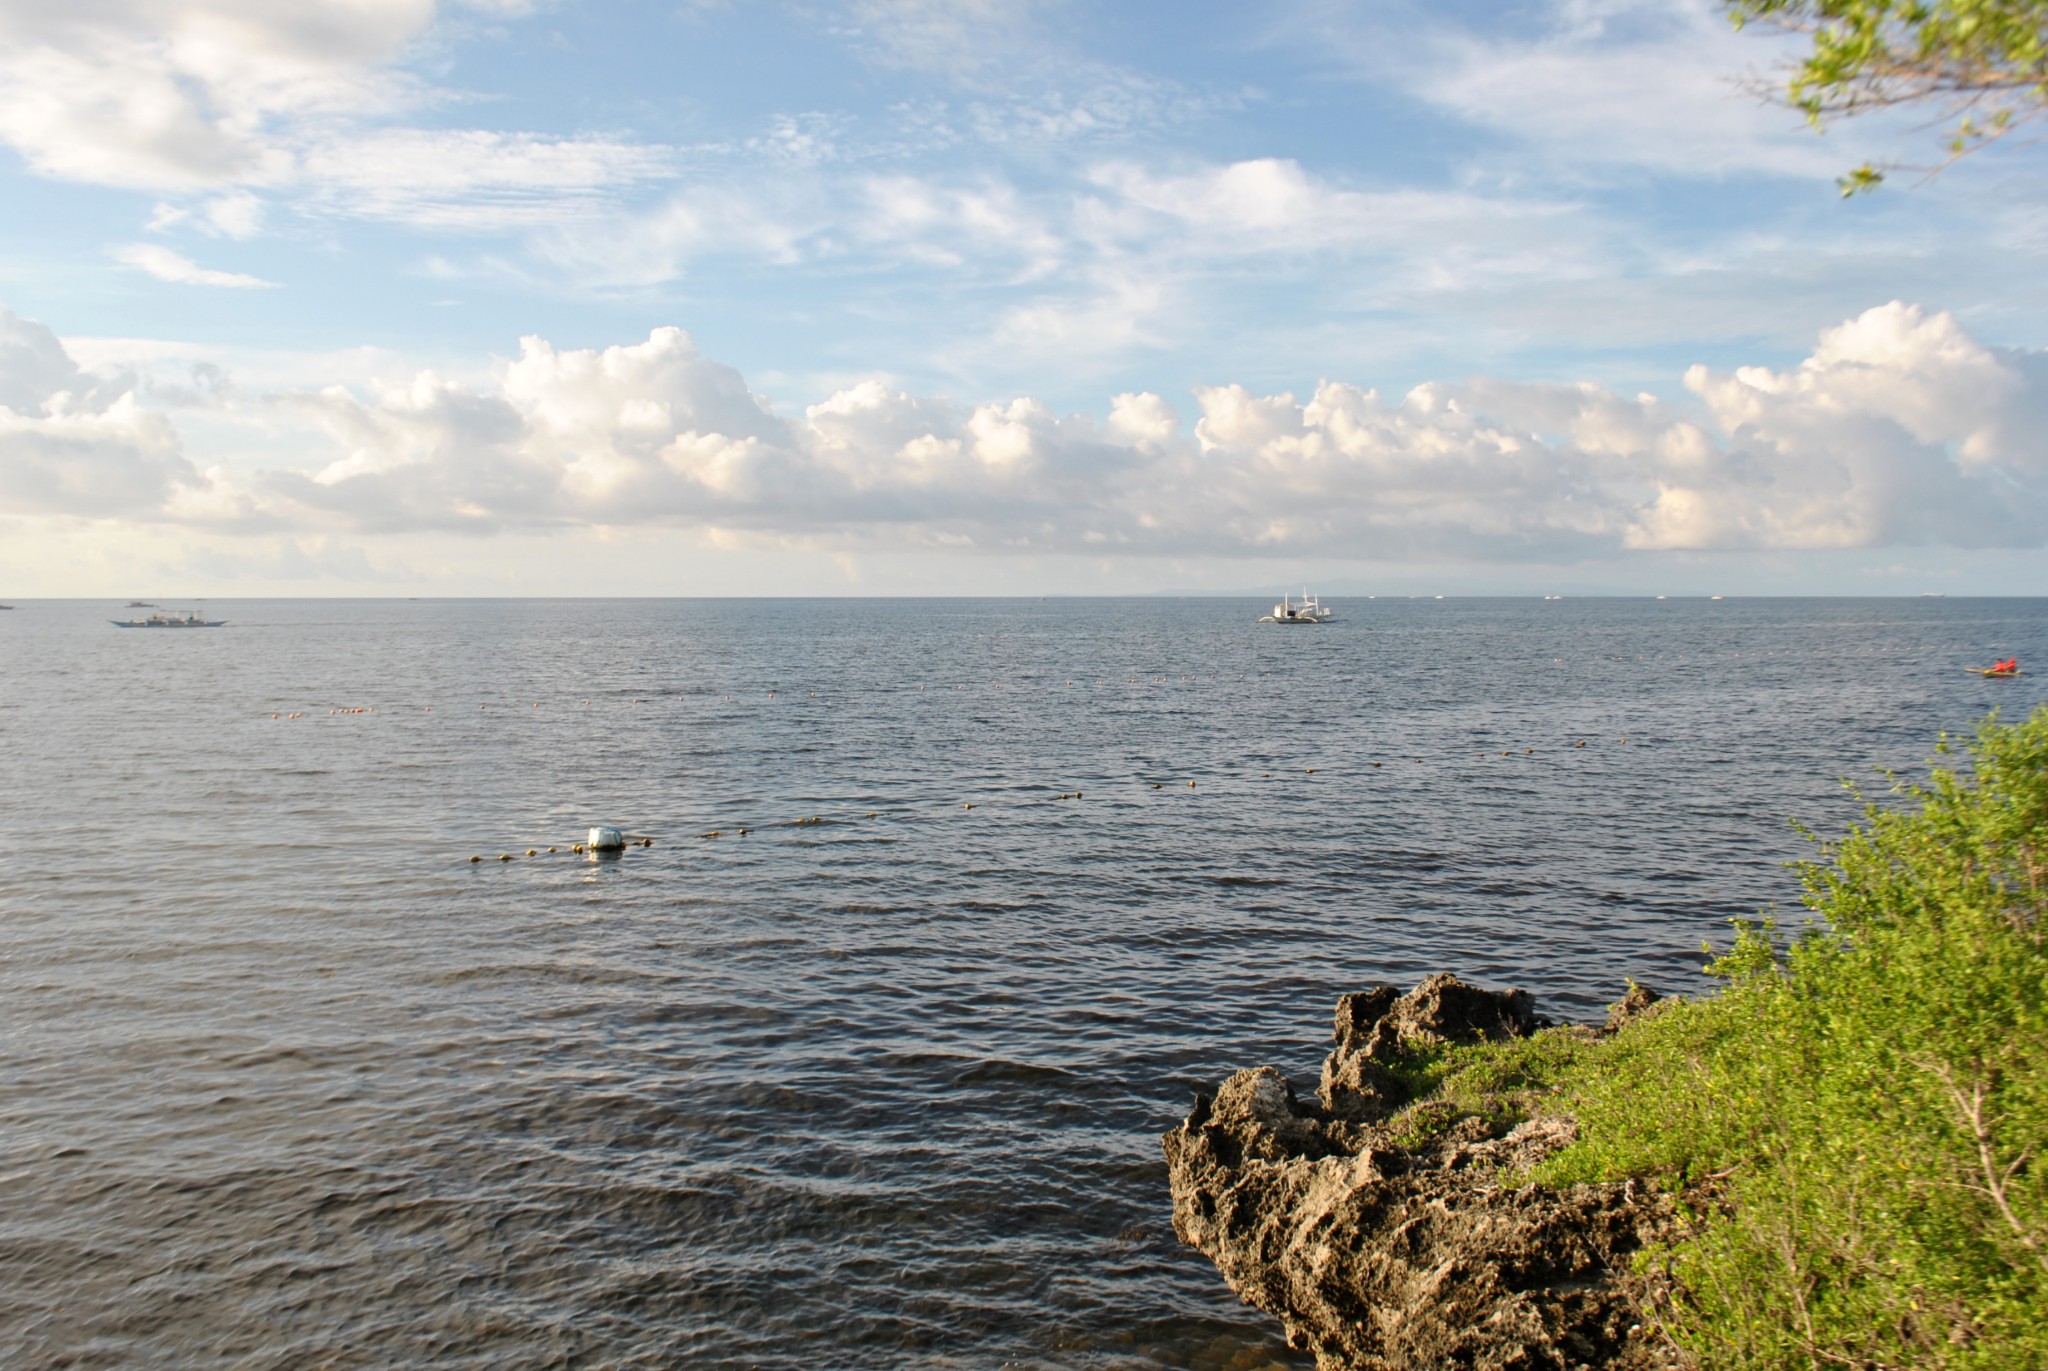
606	840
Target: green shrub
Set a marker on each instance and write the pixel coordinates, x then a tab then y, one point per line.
1859	1114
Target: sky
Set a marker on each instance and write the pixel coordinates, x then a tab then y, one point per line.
934	297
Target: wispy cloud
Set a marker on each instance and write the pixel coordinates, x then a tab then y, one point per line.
1020	72
1658	85
1273	205
960	38
473	180
166	265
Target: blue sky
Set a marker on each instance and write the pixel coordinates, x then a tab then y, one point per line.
897	296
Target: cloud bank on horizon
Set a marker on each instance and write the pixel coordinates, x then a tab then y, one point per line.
1045	278
1898	429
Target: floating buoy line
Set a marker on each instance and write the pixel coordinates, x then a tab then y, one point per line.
1215	788
602	840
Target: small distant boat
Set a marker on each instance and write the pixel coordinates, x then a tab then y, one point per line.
1547	597
1717	597
139	604
1310	611
189	619
1995	673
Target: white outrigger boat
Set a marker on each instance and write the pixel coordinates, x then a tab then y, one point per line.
1309	610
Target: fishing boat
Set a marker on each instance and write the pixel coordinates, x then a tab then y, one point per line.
188	619
139	604
1309	610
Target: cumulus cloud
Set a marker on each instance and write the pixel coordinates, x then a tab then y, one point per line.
1898	429
71	443
166	265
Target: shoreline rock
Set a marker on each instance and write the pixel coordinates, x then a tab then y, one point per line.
1378	1252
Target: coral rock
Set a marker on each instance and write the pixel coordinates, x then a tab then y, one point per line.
1373	1027
1640	1003
1382	1257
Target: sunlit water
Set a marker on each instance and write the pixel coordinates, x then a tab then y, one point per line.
288	1080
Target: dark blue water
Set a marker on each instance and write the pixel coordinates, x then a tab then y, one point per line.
286	1079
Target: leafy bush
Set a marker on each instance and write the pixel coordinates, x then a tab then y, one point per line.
1858	1115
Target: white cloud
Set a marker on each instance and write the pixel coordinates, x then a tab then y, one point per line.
1273	205
177	94
166	265
1664	85
35	370
470	179
1023	77
800	140
1148	258
1899	429
979	228
1118	314
659	245
1266	202
1667	100
212	100
293	561
958	38
71	443
988	221
235	215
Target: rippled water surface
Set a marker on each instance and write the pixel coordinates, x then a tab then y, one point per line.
287	1080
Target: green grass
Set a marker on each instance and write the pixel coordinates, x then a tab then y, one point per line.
1503	1083
1857	1117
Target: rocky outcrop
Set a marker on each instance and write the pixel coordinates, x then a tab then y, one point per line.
1374	1027
1394	1237
1639	1003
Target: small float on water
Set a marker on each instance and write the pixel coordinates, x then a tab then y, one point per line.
188	619
1310	610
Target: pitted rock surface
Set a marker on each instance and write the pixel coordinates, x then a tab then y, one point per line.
1373	1026
1640	1003
1388	1258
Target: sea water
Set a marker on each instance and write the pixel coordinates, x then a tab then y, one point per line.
873	1076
